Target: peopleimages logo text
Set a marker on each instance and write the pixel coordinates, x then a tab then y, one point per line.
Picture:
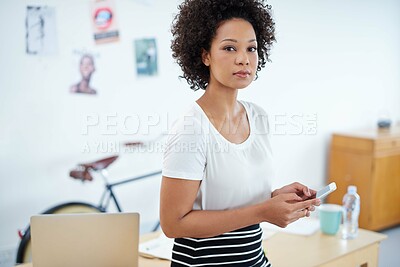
154	124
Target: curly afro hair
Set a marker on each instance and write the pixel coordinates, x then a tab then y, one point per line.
196	24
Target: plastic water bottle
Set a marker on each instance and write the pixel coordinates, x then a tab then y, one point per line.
351	211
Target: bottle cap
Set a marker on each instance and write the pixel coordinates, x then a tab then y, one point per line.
352	189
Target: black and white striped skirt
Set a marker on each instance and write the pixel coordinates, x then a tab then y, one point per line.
242	247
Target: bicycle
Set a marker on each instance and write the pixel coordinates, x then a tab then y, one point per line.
84	172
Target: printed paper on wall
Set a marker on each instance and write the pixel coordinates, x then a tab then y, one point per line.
40	28
85	66
104	21
146	57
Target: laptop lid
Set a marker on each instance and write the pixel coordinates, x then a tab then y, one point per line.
85	240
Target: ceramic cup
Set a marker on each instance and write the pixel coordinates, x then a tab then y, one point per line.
330	217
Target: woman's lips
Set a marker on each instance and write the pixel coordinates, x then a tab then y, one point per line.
242	73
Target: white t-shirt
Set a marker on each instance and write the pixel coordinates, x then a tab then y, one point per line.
232	175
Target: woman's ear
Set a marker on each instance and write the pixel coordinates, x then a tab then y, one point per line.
205	57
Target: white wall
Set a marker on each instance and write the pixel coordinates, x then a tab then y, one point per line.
339	60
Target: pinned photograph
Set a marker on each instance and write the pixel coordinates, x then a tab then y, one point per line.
104	21
40	25
86	68
146	57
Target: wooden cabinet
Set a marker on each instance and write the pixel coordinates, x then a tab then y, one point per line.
371	161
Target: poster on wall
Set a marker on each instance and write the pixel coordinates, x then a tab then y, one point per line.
40	26
84	68
104	21
146	57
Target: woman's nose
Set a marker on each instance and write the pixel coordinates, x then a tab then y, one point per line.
242	59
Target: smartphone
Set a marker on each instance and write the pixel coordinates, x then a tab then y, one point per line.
326	190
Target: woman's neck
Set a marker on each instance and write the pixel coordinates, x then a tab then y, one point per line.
220	101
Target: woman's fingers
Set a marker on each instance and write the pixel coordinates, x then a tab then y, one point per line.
313	192
300	214
307	204
311	208
302	190
306	191
296	207
291	197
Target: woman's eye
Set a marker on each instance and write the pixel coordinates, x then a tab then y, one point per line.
253	49
229	48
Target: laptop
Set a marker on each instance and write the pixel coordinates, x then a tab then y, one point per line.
85	240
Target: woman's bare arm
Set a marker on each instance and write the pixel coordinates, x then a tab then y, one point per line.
178	219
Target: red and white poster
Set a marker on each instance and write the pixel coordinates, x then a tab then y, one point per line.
104	21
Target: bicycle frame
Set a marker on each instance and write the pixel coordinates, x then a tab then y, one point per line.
109	194
24	248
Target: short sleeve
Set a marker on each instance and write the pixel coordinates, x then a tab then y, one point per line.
185	150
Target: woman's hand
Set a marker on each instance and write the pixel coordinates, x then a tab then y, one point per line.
299	189
285	208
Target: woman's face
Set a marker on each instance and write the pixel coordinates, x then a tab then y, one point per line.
86	67
233	56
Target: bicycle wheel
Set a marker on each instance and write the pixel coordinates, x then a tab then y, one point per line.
24	253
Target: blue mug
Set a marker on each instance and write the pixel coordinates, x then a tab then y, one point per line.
330	217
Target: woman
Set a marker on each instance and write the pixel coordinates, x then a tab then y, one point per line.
216	186
86	68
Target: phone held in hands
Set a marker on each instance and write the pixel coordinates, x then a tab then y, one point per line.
326	190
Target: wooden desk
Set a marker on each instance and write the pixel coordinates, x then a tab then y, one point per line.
286	250
324	250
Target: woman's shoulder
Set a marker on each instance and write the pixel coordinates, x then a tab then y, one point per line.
189	121
254	108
